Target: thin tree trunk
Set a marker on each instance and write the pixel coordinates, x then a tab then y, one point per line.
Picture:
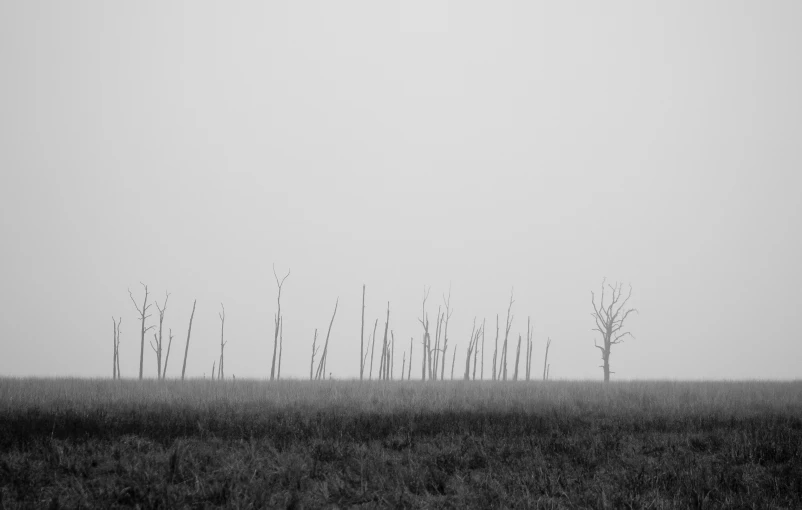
409	370
221	372
437	335
213	370
167	357
448	313
312	364
466	376
476	352
280	345
517	359
114	351
453	358
362	338
546	358
373	349
142	317
482	376
403	365
386	327
189	332
321	368
277	320
495	351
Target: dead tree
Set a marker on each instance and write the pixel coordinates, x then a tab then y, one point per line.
495	352
409	370
167	356
373	348
610	322
424	320
157	348
435	352
321	367
546	359
362	339
447	315
314	353
482	374
277	321
280	345
476	349
403	365
189	332
517	359
506	336
384	369
115	365
474	336
213	364
392	355
453	358
529	332
221	374
142	317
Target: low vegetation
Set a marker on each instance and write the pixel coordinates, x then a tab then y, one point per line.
293	444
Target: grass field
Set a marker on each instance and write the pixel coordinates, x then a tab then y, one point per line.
293	444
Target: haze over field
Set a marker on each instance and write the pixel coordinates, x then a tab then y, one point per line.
534	145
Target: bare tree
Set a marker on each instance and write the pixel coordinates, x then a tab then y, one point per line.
482	376
453	358
392	355
277	321
435	352
546	359
362	339
409	370
157	348
167	356
476	349
189	332
403	365
142	317
213	365
506	336
115	366
424	320
221	374
471	344
447	314
321	367
384	368
529	332
280	345
517	359
610	322
314	353
373	348
495	352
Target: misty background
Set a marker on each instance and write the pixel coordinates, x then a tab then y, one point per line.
477	145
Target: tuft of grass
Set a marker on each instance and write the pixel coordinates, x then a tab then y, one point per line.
301	444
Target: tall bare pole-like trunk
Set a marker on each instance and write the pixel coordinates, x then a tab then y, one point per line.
453	358
384	372
482	376
403	365
277	321
610	322
468	357
280	346
424	320
221	374
314	352
495	352
409	370
447	313
392	355
506	336
438	330
373	349
158	347
189	332
143	315
362	339
213	365
167	357
321	368
116	360
517	359
529	332
476	349
546	359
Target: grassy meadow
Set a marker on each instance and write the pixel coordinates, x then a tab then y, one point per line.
298	444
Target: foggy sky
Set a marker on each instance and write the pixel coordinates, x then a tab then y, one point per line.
477	145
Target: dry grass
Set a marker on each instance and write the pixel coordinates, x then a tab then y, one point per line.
453	444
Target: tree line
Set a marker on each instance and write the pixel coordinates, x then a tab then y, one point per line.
609	318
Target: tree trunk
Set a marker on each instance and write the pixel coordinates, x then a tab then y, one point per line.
189	332
362	338
517	359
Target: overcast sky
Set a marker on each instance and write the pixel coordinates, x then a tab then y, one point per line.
477	145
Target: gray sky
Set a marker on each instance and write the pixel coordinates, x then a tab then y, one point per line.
482	145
